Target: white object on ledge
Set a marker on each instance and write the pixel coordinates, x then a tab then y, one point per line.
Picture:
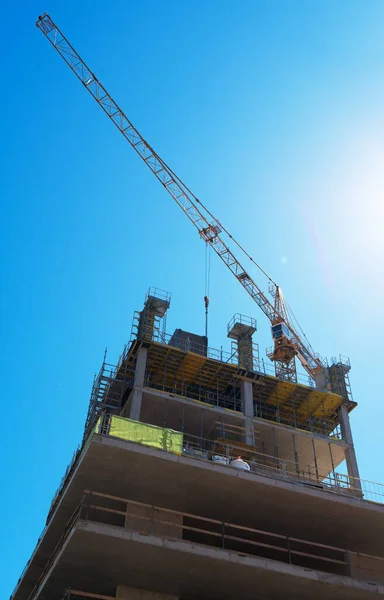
239	463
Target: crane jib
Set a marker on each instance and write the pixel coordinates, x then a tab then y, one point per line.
200	216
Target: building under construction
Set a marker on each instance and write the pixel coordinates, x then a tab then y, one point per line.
210	474
202	475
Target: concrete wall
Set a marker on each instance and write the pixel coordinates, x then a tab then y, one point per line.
144	518
127	593
367	568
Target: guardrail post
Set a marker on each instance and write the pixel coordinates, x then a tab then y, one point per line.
88	505
223	535
152	520
289	550
350	565
82	505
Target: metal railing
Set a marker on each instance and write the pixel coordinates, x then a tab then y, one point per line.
63	480
285	415
243	320
193	391
68	528
156	292
260	365
259	463
152	520
276	413
224	451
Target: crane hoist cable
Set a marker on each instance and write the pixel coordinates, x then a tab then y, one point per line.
207	273
221	225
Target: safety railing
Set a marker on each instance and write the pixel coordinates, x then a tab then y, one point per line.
287	416
63	481
278	414
68	528
187	345
152	520
370	490
226	451
219	450
192	391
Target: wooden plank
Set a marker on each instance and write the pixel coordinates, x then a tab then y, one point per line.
109	510
204	531
231	426
319	557
317	545
253	543
124	500
367	555
90	595
242	528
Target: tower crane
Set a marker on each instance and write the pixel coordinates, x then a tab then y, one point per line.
288	342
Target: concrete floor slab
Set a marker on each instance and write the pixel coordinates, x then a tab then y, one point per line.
113	466
98	557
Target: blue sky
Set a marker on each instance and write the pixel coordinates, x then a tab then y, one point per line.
272	113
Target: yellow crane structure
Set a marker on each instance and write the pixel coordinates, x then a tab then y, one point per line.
288	342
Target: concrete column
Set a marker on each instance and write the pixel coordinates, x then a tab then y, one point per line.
137	393
350	454
124	592
246	394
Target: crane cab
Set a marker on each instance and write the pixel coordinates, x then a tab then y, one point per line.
279	331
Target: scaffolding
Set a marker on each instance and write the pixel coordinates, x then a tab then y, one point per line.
110	390
240	330
217	382
338	374
150	323
184	365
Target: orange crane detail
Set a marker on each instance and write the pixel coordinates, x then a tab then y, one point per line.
288	342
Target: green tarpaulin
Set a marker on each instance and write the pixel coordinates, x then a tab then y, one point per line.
149	435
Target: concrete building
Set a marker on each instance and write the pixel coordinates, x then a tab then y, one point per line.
203	476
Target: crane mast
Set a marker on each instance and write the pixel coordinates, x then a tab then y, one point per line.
287	341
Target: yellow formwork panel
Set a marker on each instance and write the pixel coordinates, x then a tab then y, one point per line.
173	364
306	400
320	404
331	404
314	399
190	367
169	362
281	393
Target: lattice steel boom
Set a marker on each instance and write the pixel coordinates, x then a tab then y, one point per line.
209	228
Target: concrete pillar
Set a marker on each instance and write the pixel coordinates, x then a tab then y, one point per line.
124	592
350	454
137	393
154	521
246	394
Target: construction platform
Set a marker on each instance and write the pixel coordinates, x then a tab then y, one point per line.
217	382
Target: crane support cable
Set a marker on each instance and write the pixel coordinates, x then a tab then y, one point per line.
222	226
196	212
